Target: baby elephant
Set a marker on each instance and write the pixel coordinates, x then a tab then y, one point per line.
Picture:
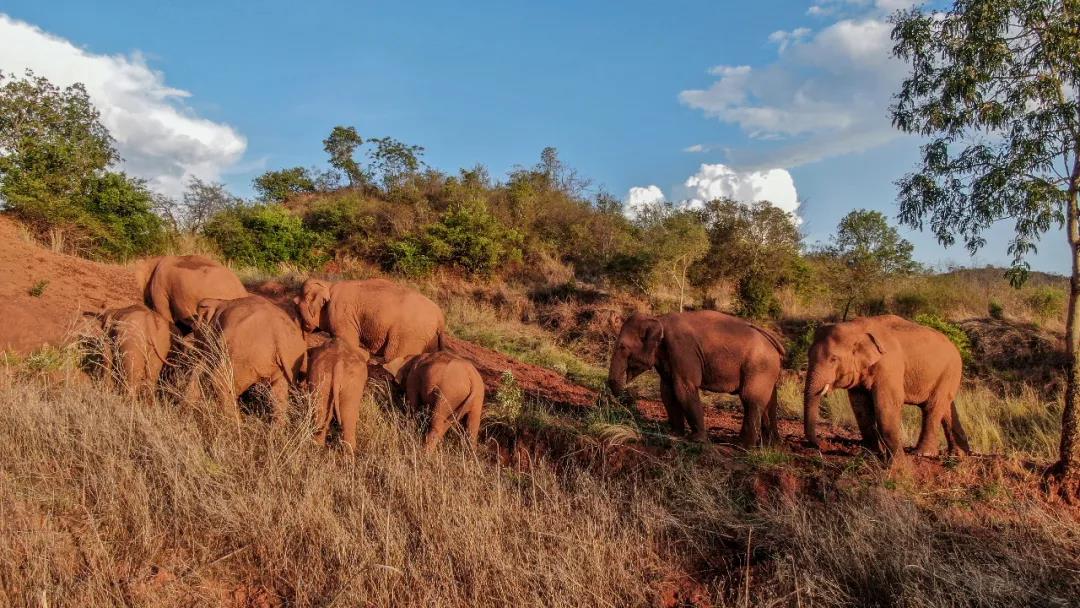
137	342
337	374
447	385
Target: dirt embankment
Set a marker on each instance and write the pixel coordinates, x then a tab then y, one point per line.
43	293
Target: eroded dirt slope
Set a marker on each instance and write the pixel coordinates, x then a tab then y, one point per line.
66	286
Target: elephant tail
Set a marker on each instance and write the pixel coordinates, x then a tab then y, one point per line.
335	389
773	339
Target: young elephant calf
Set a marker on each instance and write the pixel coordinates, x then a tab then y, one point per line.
337	374
446	385
137	342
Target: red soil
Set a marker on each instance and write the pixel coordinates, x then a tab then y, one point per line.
73	285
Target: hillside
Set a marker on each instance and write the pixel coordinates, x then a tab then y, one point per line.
596	499
42	293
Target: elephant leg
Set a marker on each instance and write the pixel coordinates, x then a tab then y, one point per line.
321	415
770	426
474	415
348	415
932	419
441	418
754	406
675	416
862	404
690	401
887	406
954	432
279	396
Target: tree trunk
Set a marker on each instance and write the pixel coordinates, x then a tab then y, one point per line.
1065	474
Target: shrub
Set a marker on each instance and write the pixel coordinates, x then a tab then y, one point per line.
465	237
996	310
953	332
264	236
1046	302
800	347
279	186
757	298
912	303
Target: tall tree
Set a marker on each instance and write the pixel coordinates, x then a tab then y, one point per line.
755	246
200	201
341	144
867	251
393	161
995	86
52	144
676	240
278	186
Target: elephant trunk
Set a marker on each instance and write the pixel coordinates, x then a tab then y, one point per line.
816	387
617	374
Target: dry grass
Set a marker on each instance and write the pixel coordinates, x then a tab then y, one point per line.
111	502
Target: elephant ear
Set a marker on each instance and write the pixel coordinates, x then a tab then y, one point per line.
651	336
144	269
869	350
316	292
100	318
399	368
206	309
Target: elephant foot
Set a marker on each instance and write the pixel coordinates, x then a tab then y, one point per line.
925	452
699	437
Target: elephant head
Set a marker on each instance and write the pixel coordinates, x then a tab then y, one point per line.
636	350
399	368
311	302
206	309
840	357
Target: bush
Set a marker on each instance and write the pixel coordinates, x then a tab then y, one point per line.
279	186
757	298
1046	302
996	310
465	237
264	236
912	303
953	332
800	347
112	219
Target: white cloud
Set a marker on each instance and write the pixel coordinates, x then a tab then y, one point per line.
642	196
696	148
826	93
714	181
783	38
160	138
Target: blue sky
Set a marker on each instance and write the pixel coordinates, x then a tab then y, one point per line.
227	90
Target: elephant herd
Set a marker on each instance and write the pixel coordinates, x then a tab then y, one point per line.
884	362
192	304
196	313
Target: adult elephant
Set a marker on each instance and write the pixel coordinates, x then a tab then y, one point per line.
173	286
703	350
384	318
262	344
885	362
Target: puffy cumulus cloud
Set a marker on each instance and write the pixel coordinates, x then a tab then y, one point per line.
713	181
160	138
642	196
826	93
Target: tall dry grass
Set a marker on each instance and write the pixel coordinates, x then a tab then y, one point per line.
108	501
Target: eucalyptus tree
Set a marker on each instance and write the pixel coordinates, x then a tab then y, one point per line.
994	86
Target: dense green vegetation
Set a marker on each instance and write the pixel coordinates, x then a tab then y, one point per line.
54	173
